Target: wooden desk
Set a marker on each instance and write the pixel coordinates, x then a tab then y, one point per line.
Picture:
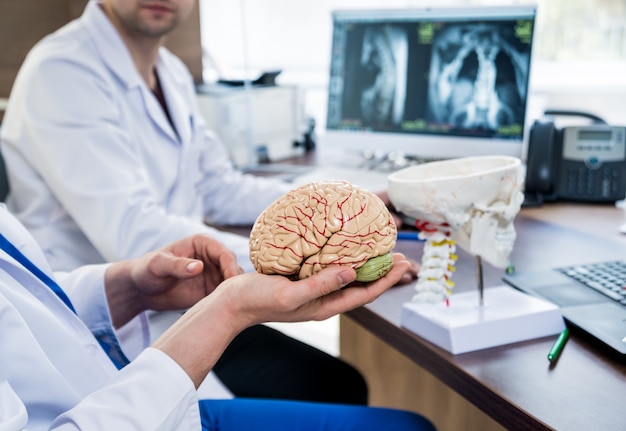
509	386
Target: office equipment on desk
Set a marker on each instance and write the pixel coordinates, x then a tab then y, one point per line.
575	163
592	298
265	79
257	123
431	83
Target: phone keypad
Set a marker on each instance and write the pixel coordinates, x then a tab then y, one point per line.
585	183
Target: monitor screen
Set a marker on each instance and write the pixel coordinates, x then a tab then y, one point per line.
430	83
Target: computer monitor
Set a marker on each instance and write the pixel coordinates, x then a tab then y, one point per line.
430	83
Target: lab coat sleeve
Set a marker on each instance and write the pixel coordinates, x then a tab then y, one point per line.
13	416
85	288
230	196
50	366
151	393
87	159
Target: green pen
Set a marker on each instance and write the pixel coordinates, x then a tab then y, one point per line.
555	351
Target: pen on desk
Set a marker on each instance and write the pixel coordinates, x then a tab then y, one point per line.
555	351
411	236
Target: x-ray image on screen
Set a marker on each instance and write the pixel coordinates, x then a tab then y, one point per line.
432	82
383	60
376	60
478	77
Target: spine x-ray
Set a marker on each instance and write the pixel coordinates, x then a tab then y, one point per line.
478	77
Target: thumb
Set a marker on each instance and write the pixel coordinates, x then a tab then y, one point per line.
192	267
332	279
182	267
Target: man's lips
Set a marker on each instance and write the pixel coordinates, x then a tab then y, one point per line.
157	7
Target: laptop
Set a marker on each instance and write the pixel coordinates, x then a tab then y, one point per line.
592	298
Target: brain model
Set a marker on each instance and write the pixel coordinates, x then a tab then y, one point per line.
323	224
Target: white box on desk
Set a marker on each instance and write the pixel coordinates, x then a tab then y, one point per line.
507	316
251	120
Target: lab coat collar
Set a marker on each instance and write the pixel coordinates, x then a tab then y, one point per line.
35	286
110	45
171	85
117	58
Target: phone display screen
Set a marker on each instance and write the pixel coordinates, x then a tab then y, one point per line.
595	135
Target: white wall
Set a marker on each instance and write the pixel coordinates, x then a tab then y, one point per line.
598	88
246	37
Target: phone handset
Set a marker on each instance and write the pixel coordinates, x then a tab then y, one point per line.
566	113
540	163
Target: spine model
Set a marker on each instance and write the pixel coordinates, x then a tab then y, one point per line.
434	283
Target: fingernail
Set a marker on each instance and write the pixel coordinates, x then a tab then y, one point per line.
192	266
346	277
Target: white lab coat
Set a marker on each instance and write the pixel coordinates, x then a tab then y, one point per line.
51	363
97	173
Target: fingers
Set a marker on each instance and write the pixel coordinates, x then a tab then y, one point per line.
192	255
411	274
168	265
217	254
229	266
319	285
324	279
333	294
256	298
333	279
401	266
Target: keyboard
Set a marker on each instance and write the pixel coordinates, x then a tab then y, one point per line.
608	278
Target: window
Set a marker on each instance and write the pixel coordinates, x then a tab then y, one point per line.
579	57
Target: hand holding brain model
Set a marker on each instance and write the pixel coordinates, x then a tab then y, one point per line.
323	224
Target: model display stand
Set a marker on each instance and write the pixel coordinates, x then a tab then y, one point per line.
506	316
470	202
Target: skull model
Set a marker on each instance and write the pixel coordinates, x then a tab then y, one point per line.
471	201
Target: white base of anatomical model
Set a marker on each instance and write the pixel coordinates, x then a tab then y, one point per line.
507	316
